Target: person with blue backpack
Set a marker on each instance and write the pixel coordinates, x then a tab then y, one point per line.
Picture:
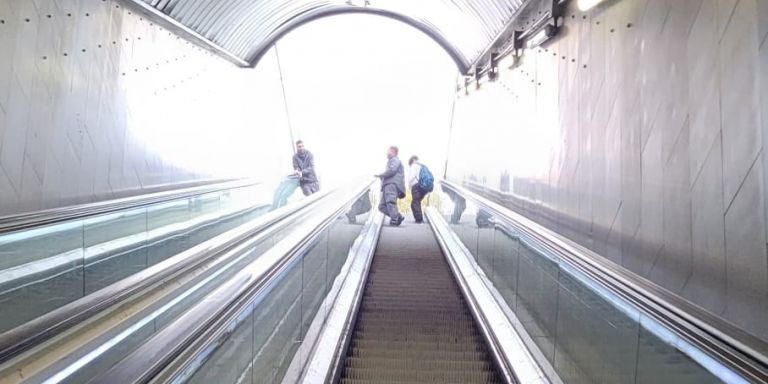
392	187
421	181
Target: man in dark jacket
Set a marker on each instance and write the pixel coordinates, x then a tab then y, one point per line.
392	187
304	168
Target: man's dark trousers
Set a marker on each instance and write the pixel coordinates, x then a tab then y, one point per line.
388	203
417	194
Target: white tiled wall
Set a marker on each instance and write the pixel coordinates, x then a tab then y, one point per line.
97	102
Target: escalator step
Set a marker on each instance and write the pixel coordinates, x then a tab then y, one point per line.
358	381
422	375
444	363
419	354
413	325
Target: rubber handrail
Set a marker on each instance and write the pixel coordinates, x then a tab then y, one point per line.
29	220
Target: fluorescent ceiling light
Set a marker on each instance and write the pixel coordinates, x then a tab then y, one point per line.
541	36
586	5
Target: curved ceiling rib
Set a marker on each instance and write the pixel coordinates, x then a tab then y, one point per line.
245	29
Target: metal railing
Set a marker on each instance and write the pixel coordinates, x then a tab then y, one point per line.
481	310
721	341
329	349
45	327
180	347
22	221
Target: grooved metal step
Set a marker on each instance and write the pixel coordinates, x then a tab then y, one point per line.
413	325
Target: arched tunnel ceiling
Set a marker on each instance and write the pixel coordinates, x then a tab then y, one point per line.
245	29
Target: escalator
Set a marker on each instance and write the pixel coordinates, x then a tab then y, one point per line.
481	295
54	258
477	295
132	266
413	325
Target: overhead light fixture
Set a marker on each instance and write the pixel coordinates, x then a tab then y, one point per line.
586	5
541	36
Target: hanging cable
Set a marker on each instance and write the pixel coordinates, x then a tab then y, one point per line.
285	101
450	134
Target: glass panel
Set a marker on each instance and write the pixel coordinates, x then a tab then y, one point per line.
164	214
261	343
454	206
591	347
44	268
284	312
178	309
340	238
40	270
466	226
315	264
103	362
168	234
277	328
537	291
344	232
231	362
485	241
586	334
246	197
505	265
163	314
105	228
659	362
200	205
264	338
167	246
115	247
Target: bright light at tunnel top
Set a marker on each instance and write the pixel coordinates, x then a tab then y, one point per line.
585	5
356	84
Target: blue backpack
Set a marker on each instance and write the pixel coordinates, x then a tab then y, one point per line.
426	180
